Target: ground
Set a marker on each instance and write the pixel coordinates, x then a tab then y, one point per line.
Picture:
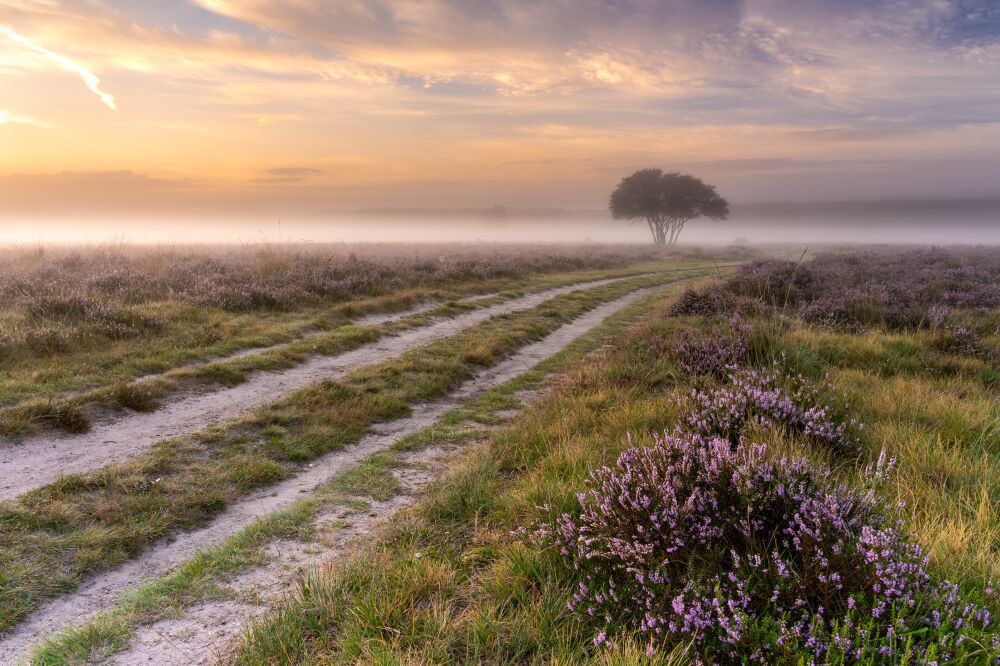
380	499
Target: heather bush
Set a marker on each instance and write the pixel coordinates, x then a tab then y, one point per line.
852	291
714	356
776	283
708	301
79	310
43	340
770	398
56	299
959	340
694	541
854	308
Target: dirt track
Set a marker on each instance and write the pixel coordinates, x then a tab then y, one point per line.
106	589
38	461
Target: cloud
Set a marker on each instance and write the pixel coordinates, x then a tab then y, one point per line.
286	175
490	90
90	79
294	171
8	118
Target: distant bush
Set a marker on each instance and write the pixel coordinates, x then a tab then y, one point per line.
895	290
53	300
698	542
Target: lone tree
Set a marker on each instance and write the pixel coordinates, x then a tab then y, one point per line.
667	201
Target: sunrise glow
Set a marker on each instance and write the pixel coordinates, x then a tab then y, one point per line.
308	107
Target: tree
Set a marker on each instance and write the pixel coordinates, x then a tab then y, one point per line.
667	201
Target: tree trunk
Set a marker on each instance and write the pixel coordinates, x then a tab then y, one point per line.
658	228
675	231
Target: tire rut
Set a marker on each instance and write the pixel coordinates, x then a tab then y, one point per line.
38	461
103	591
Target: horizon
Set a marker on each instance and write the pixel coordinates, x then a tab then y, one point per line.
214	109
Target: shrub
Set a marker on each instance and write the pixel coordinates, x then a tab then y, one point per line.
871	305
88	314
896	290
776	283
715	356
772	399
47	340
705	302
694	541
959	340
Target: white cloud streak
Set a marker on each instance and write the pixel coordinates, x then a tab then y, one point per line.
90	79
8	118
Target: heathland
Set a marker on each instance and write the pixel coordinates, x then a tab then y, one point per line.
499	455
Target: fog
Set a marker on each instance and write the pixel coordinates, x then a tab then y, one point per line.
584	227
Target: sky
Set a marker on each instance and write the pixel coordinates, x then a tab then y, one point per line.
274	107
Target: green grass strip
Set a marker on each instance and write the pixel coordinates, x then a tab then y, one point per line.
52	538
70	414
204	575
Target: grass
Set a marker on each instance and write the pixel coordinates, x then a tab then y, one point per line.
52	538
198	579
192	331
472	595
104	379
448	584
205	575
938	414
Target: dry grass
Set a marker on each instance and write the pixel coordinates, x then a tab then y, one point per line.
452	586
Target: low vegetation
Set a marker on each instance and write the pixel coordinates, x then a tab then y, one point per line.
50	539
94	373
715	545
796	489
204	578
56	301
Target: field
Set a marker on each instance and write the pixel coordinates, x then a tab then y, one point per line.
392	455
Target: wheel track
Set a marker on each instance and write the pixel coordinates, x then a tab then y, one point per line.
103	591
33	463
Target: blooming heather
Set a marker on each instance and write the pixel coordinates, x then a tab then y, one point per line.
715	356
772	399
697	542
892	289
53	301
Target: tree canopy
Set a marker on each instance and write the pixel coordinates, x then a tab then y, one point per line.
667	201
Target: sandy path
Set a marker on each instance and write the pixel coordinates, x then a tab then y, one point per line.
365	320
41	460
102	592
375	319
205	631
